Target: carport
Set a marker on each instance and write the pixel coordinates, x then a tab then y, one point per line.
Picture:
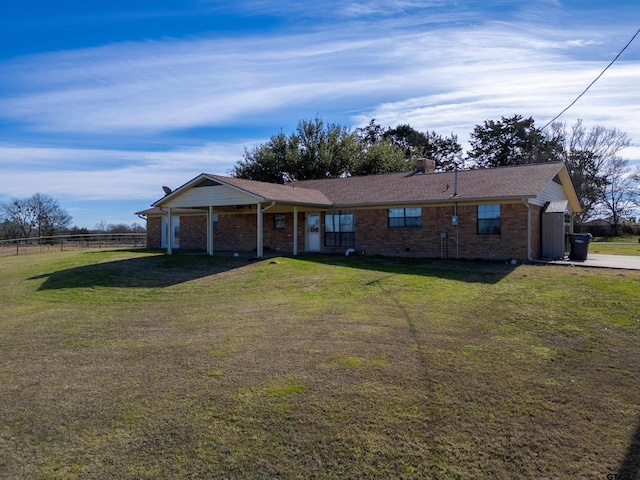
214	195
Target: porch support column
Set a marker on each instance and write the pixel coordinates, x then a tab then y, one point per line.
169	233
295	230
259	240
210	231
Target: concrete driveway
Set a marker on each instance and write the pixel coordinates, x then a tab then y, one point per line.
603	261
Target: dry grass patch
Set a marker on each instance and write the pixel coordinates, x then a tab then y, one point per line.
136	365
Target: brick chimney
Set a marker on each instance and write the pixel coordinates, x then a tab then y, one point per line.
425	165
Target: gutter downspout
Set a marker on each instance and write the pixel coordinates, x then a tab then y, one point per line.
295	230
273	204
455	214
526	203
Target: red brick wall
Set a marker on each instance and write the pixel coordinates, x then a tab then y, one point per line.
281	240
511	243
193	232
536	231
237	232
154	232
375	237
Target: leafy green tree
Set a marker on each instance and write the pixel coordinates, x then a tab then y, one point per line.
269	162
378	154
314	150
318	150
446	151
323	152
381	156
511	141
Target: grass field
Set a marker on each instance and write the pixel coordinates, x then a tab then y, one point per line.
620	239
615	249
131	364
627	245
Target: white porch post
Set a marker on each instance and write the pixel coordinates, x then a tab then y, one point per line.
259	246
295	230
169	233
210	231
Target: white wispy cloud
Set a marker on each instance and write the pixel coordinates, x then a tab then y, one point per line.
159	86
93	174
427	64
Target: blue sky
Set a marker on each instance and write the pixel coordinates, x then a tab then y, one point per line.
102	103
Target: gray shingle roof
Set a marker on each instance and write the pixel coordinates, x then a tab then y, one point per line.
522	181
273	191
503	182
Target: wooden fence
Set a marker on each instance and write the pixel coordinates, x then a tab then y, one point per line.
23	246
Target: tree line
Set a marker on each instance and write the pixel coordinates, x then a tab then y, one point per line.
42	216
604	182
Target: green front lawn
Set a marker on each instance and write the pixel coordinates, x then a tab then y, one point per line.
621	239
124	364
614	248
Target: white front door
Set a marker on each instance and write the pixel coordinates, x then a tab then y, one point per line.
175	232
313	232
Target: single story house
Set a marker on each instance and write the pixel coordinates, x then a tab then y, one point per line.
520	212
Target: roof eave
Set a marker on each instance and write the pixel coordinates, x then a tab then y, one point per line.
451	200
570	191
190	184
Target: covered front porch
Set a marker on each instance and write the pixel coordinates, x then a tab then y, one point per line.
232	212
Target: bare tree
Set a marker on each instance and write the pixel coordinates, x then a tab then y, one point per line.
620	196
593	162
50	216
18	218
39	214
101	227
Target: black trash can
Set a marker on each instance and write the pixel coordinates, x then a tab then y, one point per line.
579	246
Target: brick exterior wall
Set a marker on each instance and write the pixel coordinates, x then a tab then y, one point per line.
511	243
536	231
281	240
154	232
193	232
374	237
237	232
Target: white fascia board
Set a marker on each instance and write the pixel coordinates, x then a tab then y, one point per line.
203	176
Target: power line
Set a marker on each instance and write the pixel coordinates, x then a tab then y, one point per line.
591	84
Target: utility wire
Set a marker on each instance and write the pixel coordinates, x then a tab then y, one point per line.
591	84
